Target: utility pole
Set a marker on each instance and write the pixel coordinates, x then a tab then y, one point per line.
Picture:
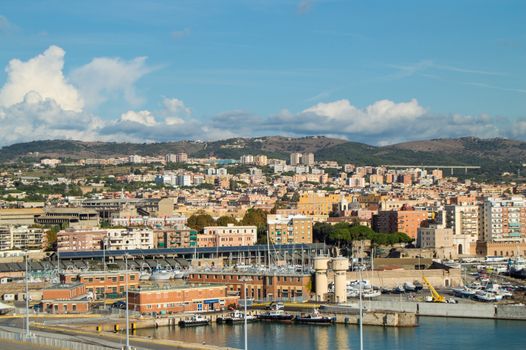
245	289
361	304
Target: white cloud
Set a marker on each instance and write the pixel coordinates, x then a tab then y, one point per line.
43	75
141	117
105	78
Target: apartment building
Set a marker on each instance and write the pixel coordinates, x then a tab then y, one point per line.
72	240
504	219
406	220
439	238
289	229
179	236
465	222
130	238
21	237
227	236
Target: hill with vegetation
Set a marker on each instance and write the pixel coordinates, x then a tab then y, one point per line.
493	155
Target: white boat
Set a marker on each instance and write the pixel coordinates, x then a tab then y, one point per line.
485	296
464	292
161	273
6	309
371	293
179	274
409	287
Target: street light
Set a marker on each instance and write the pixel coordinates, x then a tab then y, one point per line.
245	289
28	334
127	305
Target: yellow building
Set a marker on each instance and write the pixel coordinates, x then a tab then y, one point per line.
289	229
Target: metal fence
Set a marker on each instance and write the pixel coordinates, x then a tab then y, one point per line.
50	342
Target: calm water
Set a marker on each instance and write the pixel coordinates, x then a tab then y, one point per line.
432	333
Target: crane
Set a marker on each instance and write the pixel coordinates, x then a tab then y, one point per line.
435	297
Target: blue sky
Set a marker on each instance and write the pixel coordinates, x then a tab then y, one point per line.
370	71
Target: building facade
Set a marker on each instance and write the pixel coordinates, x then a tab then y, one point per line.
289	229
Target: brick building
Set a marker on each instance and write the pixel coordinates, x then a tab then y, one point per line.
261	286
65	299
103	284
173	299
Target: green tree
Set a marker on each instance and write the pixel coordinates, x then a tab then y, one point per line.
321	231
51	236
200	220
258	218
225	220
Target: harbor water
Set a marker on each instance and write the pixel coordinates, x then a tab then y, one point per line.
432	333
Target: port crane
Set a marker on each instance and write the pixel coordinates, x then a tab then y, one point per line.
435	297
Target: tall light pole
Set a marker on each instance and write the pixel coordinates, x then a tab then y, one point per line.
27	295
127	305
361	303
245	291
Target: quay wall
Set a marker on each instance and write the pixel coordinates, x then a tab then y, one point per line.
479	310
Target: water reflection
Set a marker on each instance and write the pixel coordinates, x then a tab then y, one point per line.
433	333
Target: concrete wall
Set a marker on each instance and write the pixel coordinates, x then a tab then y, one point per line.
479	310
392	278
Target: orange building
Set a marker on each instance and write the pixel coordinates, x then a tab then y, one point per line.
407	221
173	299
261	286
103	284
65	299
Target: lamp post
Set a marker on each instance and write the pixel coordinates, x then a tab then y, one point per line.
361	303
127	305
27	294
245	291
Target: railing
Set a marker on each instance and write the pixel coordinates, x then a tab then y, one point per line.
49	342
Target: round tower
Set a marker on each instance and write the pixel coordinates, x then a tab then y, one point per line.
340	265
321	264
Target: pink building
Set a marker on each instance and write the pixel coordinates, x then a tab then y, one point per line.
80	240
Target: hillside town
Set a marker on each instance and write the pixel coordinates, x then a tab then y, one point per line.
171	235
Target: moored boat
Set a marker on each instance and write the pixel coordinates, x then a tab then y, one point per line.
194	321
276	315
236	317
315	318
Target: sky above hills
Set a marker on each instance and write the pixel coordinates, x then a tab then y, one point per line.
373	71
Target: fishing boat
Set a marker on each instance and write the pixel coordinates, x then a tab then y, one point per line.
277	316
236	317
315	318
194	321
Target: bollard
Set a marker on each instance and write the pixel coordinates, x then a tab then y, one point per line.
99	328
134	325
116	328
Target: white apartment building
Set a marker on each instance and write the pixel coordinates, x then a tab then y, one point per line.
21	238
503	219
126	239
465	221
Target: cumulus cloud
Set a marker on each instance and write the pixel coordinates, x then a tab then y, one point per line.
43	75
141	117
105	78
37	118
175	122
